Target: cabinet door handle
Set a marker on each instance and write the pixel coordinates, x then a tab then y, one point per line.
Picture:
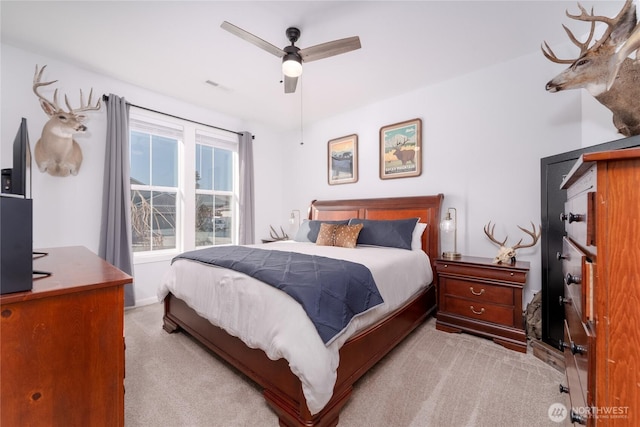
477	312
476	293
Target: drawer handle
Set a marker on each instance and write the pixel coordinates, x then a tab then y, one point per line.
577	418
575	217
476	293
569	279
564	389
477	312
562	300
578	349
571	217
575	348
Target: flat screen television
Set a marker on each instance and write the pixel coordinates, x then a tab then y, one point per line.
14	180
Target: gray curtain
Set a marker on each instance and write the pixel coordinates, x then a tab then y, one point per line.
246	202
115	230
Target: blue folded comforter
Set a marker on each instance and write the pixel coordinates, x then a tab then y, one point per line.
331	291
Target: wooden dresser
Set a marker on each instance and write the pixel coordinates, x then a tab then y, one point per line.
601	266
62	344
477	296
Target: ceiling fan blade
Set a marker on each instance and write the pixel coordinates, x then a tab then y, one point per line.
290	84
245	35
328	49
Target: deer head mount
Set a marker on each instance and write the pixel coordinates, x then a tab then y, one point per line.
56	152
508	254
604	68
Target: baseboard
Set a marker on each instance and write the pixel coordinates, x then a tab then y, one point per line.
548	354
146	301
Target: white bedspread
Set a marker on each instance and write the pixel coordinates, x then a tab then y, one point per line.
266	318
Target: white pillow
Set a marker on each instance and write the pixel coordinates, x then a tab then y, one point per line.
416	237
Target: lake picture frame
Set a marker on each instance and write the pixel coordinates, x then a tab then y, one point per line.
401	149
342	160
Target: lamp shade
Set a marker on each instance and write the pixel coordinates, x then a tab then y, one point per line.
448	224
448	227
291	65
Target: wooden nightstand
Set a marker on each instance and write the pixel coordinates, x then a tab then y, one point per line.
480	297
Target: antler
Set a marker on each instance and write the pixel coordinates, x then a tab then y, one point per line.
37	83
83	107
587	17
275	236
401	140
611	22
37	77
490	234
535	236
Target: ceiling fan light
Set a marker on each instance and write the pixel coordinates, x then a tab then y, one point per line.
291	66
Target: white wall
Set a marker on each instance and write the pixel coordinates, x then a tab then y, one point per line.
483	137
67	211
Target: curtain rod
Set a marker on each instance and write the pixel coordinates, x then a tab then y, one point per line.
106	97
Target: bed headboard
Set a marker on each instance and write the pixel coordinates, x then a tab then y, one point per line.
427	208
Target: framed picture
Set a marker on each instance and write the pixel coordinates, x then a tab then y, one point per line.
401	149
342	157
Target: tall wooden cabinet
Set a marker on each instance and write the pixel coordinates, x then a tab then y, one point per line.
553	169
62	344
601	266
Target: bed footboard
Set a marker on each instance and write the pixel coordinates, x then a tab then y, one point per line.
281	388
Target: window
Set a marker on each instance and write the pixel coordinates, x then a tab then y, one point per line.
215	206
183	185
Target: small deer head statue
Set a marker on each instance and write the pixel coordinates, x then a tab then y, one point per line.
508	254
56	152
604	67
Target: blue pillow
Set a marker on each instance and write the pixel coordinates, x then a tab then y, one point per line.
309	229
396	233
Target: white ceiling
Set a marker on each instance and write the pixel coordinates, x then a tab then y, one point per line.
173	47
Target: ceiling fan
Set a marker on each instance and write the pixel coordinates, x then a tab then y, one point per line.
292	56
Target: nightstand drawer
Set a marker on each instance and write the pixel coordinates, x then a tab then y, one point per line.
484	311
497	272
480	297
478	291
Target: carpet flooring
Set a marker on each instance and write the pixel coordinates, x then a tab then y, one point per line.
432	379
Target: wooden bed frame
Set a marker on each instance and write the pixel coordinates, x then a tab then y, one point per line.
281	388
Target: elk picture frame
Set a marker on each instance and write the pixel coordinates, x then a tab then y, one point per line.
401	149
342	160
